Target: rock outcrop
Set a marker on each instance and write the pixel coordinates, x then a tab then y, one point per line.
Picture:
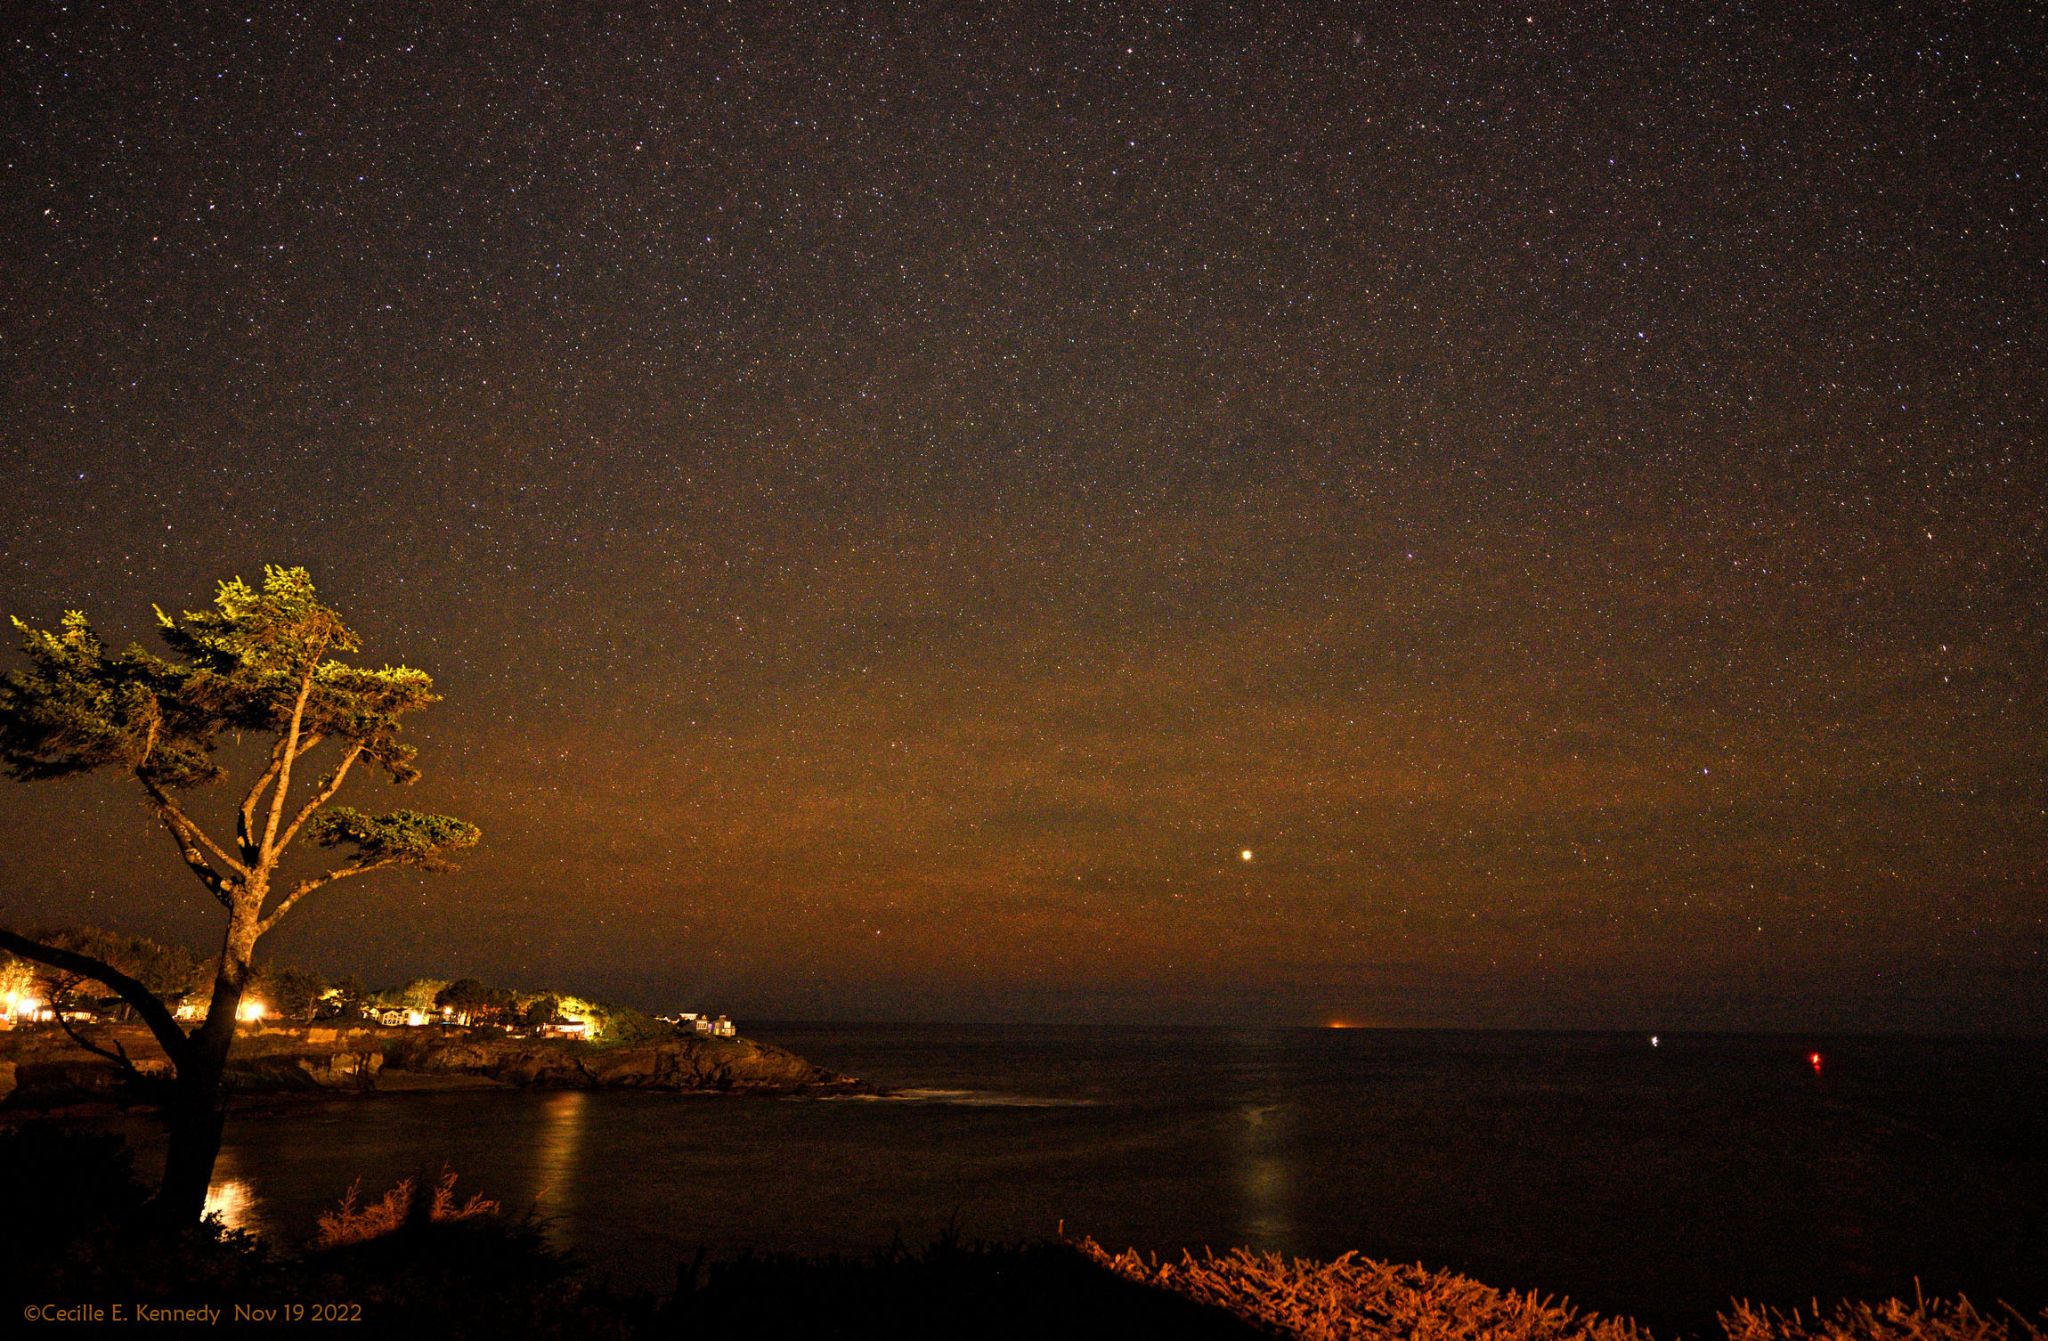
45	1073
708	1065
60	1084
319	1070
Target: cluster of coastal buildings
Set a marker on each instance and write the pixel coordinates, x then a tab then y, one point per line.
19	1009
689	1022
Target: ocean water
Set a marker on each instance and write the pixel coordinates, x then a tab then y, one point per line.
1655	1181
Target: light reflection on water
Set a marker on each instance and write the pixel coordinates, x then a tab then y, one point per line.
1265	1177
1260	1136
557	1152
1656	1182
233	1197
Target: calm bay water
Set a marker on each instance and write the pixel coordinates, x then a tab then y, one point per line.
1653	1181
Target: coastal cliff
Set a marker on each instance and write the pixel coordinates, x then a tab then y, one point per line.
684	1064
42	1070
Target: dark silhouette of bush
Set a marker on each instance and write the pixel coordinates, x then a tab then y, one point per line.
950	1290
91	1238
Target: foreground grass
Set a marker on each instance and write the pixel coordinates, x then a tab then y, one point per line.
1359	1299
421	1262
1893	1320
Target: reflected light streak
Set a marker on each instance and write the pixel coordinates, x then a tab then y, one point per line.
1265	1179
557	1150
234	1201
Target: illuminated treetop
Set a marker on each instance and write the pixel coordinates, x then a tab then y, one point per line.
265	663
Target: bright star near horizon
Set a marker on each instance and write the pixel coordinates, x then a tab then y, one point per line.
1245	855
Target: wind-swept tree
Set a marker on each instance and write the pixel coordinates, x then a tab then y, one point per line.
264	663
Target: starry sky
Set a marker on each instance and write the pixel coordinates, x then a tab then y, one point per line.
900	498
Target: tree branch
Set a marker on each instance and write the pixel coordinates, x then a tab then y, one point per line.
245	825
325	795
190	838
308	886
291	753
117	1054
153	1011
188	825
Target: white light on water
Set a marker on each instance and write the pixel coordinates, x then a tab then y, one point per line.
233	1200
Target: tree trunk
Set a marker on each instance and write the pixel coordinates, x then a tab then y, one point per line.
198	1114
199	1096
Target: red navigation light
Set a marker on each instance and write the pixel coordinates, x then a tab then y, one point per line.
1813	1060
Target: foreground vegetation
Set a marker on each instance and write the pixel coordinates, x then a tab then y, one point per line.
1359	1299
423	1260
1355	1298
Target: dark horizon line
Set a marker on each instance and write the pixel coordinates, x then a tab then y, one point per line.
2040	1036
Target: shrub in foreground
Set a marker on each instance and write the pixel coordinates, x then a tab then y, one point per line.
349	1223
952	1291
1360	1299
1893	1320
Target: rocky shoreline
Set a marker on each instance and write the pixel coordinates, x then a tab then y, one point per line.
41	1070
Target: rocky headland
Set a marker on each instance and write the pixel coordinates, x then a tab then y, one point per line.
41	1069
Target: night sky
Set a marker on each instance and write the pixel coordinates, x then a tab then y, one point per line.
899	498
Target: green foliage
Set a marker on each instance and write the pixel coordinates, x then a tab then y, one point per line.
486	1004
260	661
343	999
17	976
477	999
404	837
419	994
545	1009
290	993
623	1024
239	667
462	992
73	708
169	971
